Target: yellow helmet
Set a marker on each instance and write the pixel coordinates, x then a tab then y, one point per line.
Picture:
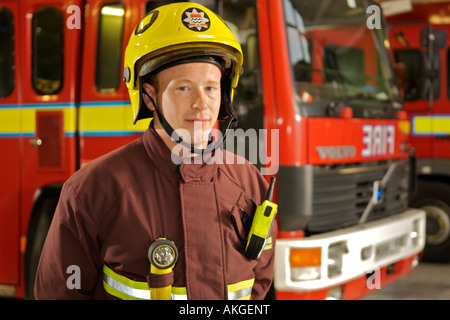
179	33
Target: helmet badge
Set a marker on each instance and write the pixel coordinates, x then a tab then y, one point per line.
196	20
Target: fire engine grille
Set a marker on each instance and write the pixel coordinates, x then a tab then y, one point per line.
341	193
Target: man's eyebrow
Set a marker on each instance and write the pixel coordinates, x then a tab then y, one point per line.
213	82
192	81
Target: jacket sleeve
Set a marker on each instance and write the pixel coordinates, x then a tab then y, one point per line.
264	269
69	266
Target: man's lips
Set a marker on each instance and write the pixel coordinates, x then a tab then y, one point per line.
198	121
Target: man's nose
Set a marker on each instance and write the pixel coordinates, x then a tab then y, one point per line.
200	100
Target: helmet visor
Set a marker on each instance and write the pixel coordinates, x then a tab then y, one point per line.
184	55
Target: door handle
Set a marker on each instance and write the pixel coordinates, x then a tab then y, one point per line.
36	142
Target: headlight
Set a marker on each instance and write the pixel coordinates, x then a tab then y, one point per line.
305	264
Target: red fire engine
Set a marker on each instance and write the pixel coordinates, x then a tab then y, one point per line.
318	72
419	39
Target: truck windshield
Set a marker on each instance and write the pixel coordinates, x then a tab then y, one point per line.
339	58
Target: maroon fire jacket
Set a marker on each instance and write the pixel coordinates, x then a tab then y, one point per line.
115	207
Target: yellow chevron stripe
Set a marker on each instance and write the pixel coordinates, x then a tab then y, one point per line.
23	120
104	119
93	119
431	125
9	121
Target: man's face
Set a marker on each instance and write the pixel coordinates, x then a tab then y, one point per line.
188	96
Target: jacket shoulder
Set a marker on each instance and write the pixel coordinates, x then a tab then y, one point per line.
103	180
115	165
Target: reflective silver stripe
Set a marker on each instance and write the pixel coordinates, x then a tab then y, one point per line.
241	290
179	296
236	295
123	291
179	293
126	289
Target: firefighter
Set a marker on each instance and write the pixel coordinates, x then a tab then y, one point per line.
181	65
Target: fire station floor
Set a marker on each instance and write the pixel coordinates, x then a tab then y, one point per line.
429	281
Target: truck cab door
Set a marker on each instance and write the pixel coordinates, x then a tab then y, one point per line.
49	50
410	58
9	144
105	113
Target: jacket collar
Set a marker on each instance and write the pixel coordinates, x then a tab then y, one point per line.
201	169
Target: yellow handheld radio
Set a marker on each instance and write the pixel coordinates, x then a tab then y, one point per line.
261	225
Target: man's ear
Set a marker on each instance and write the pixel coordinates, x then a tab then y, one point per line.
149	91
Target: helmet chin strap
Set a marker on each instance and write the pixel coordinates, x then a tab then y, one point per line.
231	122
